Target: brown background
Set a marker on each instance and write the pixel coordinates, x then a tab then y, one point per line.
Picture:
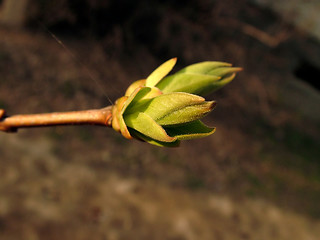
257	177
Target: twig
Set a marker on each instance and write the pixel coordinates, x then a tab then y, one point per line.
260	35
101	116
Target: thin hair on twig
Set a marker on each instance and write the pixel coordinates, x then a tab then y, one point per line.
77	60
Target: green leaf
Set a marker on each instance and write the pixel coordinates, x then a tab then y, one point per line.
186	82
223	71
160	72
186	114
203	67
190	130
219	84
165	105
137	97
147	126
139	135
134	86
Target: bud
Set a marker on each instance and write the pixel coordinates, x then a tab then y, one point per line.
162	120
164	110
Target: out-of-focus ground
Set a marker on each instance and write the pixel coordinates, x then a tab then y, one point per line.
257	177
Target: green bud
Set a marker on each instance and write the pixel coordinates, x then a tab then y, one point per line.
165	110
163	120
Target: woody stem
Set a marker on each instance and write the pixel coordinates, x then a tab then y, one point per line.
101	116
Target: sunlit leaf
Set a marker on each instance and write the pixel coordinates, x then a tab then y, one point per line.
144	124
186	82
190	130
203	67
160	72
139	135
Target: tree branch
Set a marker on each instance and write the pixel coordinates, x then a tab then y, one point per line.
101	116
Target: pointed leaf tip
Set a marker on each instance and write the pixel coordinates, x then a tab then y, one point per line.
192	130
144	124
160	72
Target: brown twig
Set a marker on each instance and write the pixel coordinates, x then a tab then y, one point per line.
268	39
101	116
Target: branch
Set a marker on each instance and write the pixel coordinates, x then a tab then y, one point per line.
101	116
161	110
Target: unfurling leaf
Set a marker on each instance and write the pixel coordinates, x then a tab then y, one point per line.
163	110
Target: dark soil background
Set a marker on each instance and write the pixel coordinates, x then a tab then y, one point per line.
257	177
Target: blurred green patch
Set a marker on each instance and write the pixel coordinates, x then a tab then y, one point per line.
68	89
85	133
302	144
288	167
194	182
310	201
56	134
304	152
3	104
4	56
254	181
291	148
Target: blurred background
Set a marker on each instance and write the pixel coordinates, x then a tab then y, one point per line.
257	177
